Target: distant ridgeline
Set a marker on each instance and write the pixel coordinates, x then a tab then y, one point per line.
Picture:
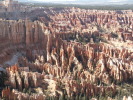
87	6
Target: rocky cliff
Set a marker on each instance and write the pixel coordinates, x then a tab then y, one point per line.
77	55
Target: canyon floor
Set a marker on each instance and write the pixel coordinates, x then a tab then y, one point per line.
67	54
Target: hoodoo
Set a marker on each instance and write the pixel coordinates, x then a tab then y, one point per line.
65	54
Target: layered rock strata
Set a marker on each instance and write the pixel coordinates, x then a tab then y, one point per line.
88	56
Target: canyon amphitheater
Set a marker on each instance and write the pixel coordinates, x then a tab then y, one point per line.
66	54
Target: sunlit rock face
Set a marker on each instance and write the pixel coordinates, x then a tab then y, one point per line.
77	54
